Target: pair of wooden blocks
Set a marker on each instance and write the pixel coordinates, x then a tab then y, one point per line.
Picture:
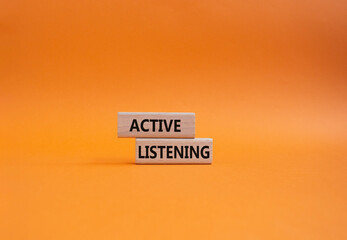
165	138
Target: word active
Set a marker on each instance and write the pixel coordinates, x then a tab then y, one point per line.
156	125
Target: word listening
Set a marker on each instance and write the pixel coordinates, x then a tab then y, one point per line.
174	152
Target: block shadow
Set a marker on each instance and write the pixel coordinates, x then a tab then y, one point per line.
110	161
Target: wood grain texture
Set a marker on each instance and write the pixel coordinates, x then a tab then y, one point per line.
156	125
174	151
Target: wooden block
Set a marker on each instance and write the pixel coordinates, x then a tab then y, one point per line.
156	125
174	151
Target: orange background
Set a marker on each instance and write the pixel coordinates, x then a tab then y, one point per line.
266	79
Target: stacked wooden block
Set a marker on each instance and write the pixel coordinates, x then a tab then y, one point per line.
165	138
